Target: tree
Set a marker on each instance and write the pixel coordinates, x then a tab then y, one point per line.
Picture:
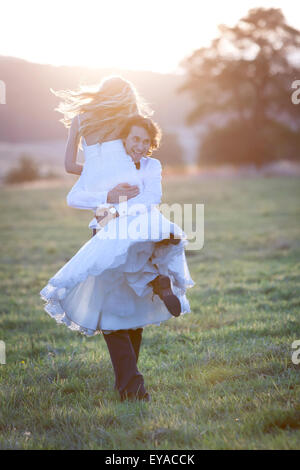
247	74
170	151
26	171
237	143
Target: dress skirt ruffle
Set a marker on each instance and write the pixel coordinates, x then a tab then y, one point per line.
105	286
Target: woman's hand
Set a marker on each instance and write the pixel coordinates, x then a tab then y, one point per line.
124	190
103	216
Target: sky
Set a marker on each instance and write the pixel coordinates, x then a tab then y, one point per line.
128	34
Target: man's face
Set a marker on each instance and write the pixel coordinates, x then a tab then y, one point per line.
137	143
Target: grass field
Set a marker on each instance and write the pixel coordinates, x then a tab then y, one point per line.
221	377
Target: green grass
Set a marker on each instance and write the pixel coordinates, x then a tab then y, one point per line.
220	378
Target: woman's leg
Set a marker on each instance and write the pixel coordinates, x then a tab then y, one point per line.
129	381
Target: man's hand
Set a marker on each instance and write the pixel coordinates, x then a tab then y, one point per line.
123	190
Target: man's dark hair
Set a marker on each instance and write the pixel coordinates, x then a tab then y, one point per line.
150	126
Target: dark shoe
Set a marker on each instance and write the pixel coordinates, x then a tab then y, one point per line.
162	287
136	397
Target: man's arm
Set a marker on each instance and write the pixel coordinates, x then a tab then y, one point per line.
79	198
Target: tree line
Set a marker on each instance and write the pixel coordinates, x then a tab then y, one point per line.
246	78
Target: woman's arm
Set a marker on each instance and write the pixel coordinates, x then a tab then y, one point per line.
72	148
78	197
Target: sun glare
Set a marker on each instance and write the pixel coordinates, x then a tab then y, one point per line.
132	34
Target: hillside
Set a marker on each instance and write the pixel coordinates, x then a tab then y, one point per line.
29	115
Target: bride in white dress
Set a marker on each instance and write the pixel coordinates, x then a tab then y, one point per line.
105	286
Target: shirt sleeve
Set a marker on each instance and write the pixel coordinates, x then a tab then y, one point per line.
80	198
151	194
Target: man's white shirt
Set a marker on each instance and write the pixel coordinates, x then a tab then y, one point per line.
150	175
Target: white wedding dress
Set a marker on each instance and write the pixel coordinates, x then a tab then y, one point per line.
104	286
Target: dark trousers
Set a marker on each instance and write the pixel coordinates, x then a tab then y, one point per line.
124	348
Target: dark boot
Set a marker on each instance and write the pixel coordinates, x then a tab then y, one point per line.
129	381
162	287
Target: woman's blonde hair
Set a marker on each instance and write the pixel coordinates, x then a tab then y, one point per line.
109	104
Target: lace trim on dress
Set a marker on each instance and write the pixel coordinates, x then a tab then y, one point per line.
57	289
